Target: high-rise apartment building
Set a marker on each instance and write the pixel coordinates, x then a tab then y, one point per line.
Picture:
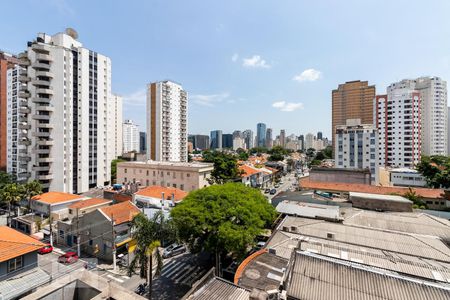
269	138
64	100
216	139
283	138
142	142
357	147
238	143
166	122
200	142
398	120
301	138
448	131
115	118
248	139
319	135
352	100
131	138
309	141
261	134
227	141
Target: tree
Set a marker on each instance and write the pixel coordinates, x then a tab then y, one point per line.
114	163
436	170
5	178
10	194
148	233
222	219
30	189
225	167
415	198
258	150
242	154
328	152
277	153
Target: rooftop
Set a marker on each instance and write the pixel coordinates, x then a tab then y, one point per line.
220	289
333	278
157	192
306	183
308	210
56	197
89	203
248	170
121	212
14	243
197	165
392	198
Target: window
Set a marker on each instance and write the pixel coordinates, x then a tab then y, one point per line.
70	211
15	264
125	171
188	175
182	187
90	242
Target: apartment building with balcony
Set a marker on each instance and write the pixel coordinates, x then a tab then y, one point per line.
131	138
167	122
65	114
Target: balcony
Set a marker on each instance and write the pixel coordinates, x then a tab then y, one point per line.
22	55
41	117
46	57
24	78
24	126
45	125
40	151
40	82
40	66
24	158
24	110
45	159
40	100
25	142
47	142
24	95
45	107
44	74
23	72
39	168
41	134
48	91
25	174
40	48
24	62
45	177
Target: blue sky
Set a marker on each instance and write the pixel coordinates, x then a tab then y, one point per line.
245	62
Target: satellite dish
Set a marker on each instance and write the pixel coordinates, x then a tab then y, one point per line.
72	32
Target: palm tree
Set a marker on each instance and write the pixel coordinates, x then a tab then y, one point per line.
148	233
11	193
31	189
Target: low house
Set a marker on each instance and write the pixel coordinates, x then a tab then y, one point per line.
251	176
19	271
55	204
158	196
106	228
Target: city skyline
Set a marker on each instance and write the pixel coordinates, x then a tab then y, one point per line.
241	74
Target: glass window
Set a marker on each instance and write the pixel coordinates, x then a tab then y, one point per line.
15	264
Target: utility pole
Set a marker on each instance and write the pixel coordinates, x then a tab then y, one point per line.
78	235
113	243
50	223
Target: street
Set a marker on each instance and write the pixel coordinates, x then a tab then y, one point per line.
49	263
288	181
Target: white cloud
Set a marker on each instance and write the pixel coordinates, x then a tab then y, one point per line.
210	100
137	98
308	75
235	57
255	61
287	106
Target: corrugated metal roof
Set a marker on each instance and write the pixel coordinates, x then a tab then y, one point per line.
219	289
308	210
315	277
22	283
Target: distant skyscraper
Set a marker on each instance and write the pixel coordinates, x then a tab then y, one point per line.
352	100
261	134
200	141
142	142
309	141
248	139
167	122
302	143
269	139
319	135
131	137
227	141
216	139
282	138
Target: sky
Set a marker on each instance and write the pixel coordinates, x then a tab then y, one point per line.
245	62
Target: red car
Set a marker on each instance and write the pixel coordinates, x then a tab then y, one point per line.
68	258
45	249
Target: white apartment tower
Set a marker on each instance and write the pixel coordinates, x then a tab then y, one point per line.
131	141
115	119
166	122
67	100
356	146
397	117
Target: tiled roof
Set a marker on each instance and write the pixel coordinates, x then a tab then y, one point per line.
219	289
306	183
121	212
14	243
56	197
315	277
248	170
156	192
88	203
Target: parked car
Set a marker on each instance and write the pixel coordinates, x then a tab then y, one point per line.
173	250
273	191
277	185
266	191
68	258
46	249
90	265
260	245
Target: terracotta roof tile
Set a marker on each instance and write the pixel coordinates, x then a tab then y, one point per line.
248	170
89	202
56	197
14	243
306	183
156	192
121	212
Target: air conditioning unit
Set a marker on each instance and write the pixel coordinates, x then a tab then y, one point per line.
330	235
272	251
293	228
285	228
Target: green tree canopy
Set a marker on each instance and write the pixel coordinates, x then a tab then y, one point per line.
225	166
223	218
114	163
277	153
258	150
436	170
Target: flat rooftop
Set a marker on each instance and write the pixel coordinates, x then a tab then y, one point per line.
393	198
198	165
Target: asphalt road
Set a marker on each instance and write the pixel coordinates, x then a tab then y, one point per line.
49	263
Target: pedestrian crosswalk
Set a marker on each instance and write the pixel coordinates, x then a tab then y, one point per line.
184	273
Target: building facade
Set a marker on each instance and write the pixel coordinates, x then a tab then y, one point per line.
115	118
283	138
269	138
131	137
200	142
356	147
142	142
398	119
167	122
65	96
261	134
227	141
448	131
180	175
309	141
216	139
248	139
352	100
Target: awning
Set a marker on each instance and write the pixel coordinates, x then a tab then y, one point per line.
132	246
123	242
22	283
